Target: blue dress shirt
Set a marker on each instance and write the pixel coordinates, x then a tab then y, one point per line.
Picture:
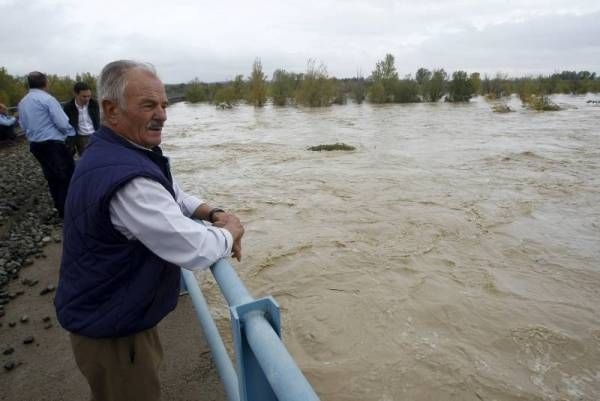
42	117
7	121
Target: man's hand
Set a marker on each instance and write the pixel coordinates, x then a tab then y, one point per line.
231	223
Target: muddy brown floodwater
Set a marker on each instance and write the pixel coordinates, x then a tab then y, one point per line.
454	255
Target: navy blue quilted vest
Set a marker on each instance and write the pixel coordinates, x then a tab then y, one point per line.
110	286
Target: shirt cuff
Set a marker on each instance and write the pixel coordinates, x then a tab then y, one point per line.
190	204
228	239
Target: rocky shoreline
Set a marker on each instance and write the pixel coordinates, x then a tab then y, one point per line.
28	221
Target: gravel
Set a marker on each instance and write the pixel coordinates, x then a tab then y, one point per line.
27	217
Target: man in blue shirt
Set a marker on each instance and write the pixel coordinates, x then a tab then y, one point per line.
7	124
46	127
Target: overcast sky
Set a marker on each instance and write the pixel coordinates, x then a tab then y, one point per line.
216	40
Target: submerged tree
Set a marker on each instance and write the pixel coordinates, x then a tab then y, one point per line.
257	85
225	95
435	87
239	87
195	92
377	93
315	89
384	76
283	85
460	88
422	76
406	91
496	87
358	89
475	79
339	92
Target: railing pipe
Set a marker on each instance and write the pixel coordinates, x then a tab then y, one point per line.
284	376
279	368
232	287
213	338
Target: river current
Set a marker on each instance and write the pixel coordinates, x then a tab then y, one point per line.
454	255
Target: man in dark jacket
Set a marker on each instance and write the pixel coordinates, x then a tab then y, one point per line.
84	116
128	229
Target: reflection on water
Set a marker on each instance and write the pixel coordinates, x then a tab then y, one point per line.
452	256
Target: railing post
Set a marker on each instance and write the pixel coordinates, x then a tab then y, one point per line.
253	382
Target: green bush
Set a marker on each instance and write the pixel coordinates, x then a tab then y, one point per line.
460	88
541	103
257	94
195	92
282	87
12	89
339	92
406	91
377	93
225	95
358	90
315	89
385	81
434	88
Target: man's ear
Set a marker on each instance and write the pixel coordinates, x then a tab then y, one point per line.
111	111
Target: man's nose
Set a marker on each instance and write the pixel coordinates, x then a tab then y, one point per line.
161	113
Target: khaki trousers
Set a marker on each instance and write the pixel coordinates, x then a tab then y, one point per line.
120	369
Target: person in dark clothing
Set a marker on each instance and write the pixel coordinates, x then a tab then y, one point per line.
84	117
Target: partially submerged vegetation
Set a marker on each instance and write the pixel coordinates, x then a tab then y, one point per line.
501	108
330	147
540	103
535	96
316	88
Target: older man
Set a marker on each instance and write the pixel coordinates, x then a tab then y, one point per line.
128	228
84	117
46	127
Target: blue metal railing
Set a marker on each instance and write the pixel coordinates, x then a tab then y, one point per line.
265	369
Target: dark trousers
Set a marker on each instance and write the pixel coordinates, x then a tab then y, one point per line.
57	165
7	132
77	144
120	369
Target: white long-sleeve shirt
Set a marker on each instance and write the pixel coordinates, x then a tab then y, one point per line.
143	209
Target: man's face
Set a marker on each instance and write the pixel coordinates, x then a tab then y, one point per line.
145	113
83	97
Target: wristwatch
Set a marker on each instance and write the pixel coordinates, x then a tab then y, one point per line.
211	214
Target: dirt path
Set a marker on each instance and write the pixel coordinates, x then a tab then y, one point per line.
45	369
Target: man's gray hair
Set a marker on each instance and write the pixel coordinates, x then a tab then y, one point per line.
112	81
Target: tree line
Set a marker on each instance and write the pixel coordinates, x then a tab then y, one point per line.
316	88
13	88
